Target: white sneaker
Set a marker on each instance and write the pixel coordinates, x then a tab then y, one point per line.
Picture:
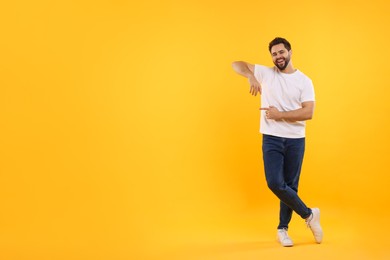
313	222
283	238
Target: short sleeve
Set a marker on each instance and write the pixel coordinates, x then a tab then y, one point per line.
308	91
259	73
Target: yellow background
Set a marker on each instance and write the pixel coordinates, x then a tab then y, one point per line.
125	133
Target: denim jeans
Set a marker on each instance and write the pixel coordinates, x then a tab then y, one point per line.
283	159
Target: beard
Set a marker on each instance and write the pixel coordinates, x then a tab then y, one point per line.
283	66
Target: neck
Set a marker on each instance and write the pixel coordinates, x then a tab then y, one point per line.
289	69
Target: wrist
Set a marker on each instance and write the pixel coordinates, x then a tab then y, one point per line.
281	115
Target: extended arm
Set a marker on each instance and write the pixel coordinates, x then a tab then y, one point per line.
301	114
246	69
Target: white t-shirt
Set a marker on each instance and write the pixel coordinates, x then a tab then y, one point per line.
286	92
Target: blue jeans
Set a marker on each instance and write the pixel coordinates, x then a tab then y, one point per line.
283	159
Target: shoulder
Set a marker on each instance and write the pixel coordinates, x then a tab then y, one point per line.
305	78
259	66
264	69
303	75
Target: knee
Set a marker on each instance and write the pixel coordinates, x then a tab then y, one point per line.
276	186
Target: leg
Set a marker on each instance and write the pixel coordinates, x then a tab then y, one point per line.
274	162
273	156
285	215
293	158
293	164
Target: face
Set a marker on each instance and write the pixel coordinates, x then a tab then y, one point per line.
280	56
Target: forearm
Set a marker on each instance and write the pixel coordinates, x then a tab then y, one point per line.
301	114
242	68
247	70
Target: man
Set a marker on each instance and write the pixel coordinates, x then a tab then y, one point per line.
287	99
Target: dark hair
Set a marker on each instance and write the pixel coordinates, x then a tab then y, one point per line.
279	40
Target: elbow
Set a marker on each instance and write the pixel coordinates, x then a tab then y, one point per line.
239	67
236	64
310	116
308	111
239	63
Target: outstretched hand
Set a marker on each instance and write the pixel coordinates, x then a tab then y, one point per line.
272	112
255	86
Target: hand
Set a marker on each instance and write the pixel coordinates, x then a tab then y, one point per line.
255	85
272	112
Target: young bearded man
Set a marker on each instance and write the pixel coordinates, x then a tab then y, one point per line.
287	101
